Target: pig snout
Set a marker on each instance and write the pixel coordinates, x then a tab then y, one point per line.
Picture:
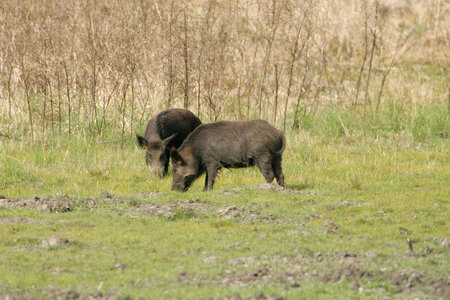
179	188
156	170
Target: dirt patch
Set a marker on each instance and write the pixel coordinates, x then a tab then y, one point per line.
41	203
404	282
6	221
239	214
195	208
227	193
50	204
174	210
58	294
55	293
150	194
15	296
340	266
312	217
276	187
257	296
350	273
330	227
54	241
409	280
353	204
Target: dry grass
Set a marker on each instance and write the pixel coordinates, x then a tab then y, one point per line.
80	66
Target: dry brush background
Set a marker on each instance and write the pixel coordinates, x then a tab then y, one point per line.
80	66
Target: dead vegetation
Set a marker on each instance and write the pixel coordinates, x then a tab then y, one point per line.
81	66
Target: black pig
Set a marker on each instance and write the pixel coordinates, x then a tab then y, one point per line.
164	131
229	144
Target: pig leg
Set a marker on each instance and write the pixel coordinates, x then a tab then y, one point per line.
206	182
211	173
166	167
276	166
265	166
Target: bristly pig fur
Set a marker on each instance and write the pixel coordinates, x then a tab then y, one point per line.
228	144
166	130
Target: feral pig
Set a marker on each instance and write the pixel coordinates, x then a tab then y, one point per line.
164	131
229	144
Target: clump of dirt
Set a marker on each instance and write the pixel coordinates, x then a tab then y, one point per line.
312	217
241	261
195	208
235	213
59	204
353	204
106	197
248	213
445	243
150	194
119	266
174	210
227	193
55	293
20	220
54	241
276	187
257	296
58	294
330	226
350	273
42	203
412	279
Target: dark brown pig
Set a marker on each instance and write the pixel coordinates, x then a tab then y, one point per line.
164	131
228	144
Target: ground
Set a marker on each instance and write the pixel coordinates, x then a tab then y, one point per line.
356	220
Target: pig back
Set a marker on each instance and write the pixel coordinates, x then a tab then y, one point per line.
235	143
172	121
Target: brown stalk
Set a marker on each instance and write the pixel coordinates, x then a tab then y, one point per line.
277	85
374	43
186	63
363	64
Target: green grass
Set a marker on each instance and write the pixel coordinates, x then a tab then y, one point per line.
364	190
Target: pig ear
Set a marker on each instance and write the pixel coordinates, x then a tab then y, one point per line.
166	141
176	157
143	143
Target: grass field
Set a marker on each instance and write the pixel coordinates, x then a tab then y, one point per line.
364	215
